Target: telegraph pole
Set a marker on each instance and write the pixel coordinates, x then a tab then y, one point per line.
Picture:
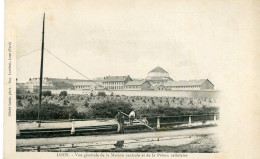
41	71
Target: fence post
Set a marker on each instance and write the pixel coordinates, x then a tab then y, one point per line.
72	128
69	117
189	120
215	119
158	122
17	130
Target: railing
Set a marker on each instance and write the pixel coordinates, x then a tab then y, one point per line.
157	122
184	120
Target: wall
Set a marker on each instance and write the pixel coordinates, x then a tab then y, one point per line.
194	88
189	94
132	88
146	86
158	74
207	86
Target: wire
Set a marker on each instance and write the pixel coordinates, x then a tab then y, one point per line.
74	69
27	53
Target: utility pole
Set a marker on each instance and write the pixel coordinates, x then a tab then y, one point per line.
41	71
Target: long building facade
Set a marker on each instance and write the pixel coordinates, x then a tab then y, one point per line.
115	82
192	85
138	85
157	79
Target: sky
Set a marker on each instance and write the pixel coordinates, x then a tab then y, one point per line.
190	40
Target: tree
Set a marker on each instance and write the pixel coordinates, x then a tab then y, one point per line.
48	112
46	93
109	109
20	90
103	94
86	104
63	94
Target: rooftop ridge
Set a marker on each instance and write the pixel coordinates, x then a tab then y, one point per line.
158	69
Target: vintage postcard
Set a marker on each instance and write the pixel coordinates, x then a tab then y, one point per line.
131	79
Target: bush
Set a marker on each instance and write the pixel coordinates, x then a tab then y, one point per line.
86	104
177	111
48	111
20	91
103	94
65	102
109	109
63	94
46	93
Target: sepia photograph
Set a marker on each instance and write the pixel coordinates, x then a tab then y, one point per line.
98	86
124	78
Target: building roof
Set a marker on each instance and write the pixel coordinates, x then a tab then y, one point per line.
159	69
136	83
100	79
186	83
88	83
59	79
153	78
67	80
116	78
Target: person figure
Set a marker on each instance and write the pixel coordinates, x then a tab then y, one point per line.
123	124
119	144
120	120
145	121
131	117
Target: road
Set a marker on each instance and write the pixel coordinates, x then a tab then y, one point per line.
113	137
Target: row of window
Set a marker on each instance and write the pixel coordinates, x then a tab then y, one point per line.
114	87
82	86
113	83
132	87
185	87
159	82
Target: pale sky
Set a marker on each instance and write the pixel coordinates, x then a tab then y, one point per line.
190	40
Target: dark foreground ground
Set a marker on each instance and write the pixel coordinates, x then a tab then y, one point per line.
185	144
204	144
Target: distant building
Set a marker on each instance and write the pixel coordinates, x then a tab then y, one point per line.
138	85
115	82
21	88
33	85
89	85
48	80
203	84
158	76
20	85
66	80
160	88
52	83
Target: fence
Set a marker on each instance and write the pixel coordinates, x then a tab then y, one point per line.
184	120
67	127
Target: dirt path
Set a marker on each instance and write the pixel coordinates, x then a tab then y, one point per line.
113	137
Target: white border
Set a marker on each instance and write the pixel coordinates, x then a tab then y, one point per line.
2	74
